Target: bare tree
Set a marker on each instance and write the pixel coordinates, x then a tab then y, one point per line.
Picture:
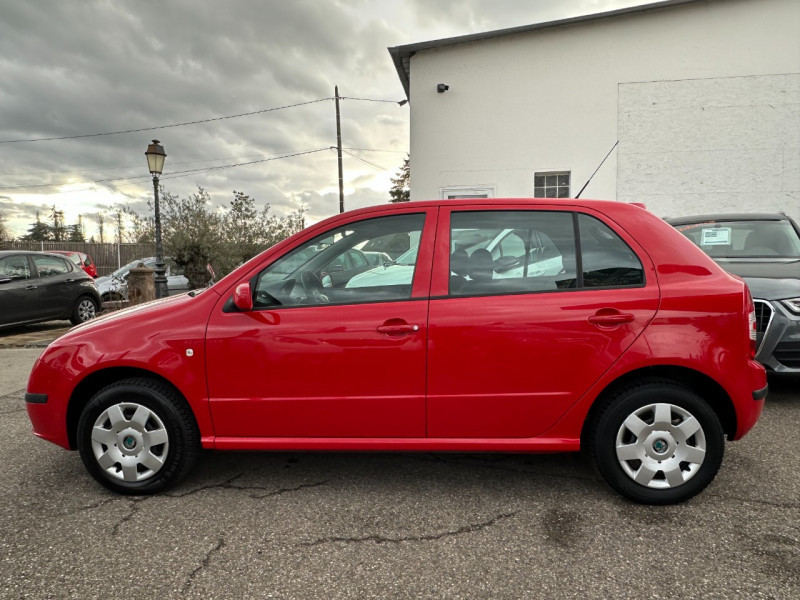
101	220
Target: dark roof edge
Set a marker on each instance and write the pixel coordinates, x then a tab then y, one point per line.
403	53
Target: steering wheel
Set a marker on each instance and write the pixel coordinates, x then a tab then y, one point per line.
312	287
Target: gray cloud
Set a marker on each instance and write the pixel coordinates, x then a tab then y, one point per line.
90	67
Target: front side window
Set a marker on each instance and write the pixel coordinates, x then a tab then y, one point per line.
50	266
14	268
333	268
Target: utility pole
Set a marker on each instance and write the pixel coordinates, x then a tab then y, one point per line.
339	151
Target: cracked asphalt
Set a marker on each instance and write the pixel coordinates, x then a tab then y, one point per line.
292	525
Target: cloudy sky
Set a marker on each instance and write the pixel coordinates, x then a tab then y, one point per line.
72	69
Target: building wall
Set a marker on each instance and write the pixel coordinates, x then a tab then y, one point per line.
550	100
728	144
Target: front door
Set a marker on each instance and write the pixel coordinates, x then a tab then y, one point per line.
57	278
19	290
314	359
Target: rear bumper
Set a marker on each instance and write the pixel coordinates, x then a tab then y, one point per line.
750	394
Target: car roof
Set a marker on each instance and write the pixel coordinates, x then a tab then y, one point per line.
727	217
609	206
26	252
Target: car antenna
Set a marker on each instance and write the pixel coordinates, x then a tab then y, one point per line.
597	169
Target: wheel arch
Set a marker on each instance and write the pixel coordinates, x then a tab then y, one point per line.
87	388
702	384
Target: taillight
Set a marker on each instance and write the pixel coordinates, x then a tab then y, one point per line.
751	324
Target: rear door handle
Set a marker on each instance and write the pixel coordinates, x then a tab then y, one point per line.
31	287
610	318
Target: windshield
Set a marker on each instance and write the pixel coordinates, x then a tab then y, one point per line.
123	271
744	239
408	258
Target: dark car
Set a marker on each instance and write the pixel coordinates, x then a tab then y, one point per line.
38	286
763	249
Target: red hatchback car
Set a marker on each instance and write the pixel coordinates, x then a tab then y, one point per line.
83	260
508	325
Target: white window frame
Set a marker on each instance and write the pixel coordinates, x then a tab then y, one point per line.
467	192
552	173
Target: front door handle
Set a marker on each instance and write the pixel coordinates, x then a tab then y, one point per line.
610	317
31	287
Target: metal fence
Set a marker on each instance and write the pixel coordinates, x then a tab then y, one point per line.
107	257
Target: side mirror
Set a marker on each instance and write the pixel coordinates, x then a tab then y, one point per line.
242	297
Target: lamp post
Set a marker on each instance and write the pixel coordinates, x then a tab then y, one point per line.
155	161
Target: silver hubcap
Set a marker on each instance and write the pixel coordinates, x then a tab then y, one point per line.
661	446
129	441
86	310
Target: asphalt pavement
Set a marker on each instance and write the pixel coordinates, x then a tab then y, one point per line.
347	525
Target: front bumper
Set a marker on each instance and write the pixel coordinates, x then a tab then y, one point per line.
778	336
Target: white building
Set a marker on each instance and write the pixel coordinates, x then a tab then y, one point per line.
703	97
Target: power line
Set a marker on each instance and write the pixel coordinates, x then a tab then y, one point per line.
174	175
184	162
246	114
372	100
376	150
88	135
366	162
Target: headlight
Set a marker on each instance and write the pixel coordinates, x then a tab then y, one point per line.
793	304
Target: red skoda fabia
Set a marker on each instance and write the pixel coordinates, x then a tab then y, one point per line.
493	325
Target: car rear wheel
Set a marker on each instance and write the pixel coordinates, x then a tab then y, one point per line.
85	308
137	436
658	442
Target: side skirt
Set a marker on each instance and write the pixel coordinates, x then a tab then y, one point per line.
395	444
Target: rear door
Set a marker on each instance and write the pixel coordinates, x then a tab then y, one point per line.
523	332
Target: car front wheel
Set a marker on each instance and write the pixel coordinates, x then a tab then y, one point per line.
137	436
85	308
658	442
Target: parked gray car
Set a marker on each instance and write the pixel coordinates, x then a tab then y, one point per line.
38	286
764	250
115	286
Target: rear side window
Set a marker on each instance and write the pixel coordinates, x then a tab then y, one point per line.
50	266
495	252
502	252
607	261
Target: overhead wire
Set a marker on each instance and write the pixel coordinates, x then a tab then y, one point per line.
187	172
196	122
174	175
88	135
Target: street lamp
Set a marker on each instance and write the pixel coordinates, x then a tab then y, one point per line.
155	162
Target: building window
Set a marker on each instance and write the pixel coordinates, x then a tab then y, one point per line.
551	185
452	193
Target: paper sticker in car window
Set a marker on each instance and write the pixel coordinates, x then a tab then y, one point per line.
718	236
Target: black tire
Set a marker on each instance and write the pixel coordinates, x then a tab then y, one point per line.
85	309
657	442
138	436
